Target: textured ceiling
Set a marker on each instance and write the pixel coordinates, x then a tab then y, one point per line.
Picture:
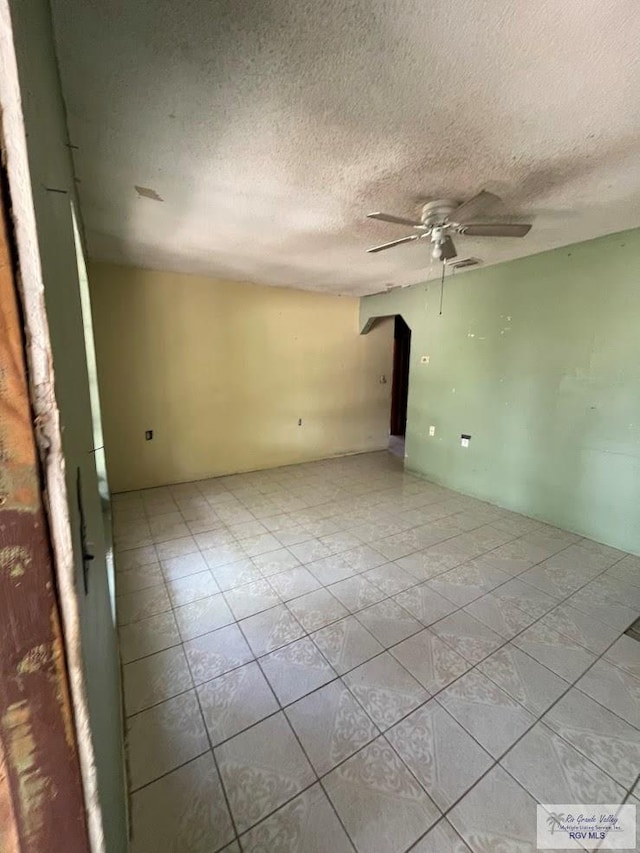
247	139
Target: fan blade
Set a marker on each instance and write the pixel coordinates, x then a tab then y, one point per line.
475	206
499	229
398	220
394	243
448	249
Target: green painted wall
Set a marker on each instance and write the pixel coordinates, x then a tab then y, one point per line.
539	361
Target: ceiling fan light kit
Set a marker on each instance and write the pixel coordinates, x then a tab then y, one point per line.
443	217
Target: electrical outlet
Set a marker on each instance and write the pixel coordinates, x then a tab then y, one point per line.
299	421
464	440
432	431
425	359
148	435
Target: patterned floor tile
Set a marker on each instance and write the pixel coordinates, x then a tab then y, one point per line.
192	587
380	803
293	583
425	604
443	757
615	689
556	651
212	654
530	683
356	593
139	605
610	613
296	669
276	561
501	616
430	660
554	772
308	823
624	654
141	577
163	737
427	563
390	578
470	638
317	609
494	719
148	636
441	839
176	548
155	678
346	644
235	701
598	734
580	627
261	769
525	597
331	725
251	598
271	629
185	810
135	558
385	689
511	827
388	622
202	616
182	566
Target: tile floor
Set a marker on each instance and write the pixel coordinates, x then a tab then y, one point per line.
341	656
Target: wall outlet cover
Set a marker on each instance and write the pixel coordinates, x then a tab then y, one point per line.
432	431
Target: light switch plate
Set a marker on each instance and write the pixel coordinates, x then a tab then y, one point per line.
432	431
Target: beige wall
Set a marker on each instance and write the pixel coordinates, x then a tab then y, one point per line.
222	371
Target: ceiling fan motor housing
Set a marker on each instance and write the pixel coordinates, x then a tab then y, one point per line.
437	212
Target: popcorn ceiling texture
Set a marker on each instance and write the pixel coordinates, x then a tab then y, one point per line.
269	128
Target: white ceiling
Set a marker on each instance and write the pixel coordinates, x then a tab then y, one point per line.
269	128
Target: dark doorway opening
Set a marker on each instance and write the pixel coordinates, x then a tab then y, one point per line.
400	382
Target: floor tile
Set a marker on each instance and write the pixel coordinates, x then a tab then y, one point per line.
557	652
581	628
441	839
511	827
141	604
388	622
610	613
155	678
346	644
296	669
135	558
202	616
211	654
176	548
425	604
430	660
470	638
356	593
163	737
380	803
554	772
234	701
329	570
251	598
182	566
624	654
501	616
390	578
148	636
276	561
615	689
185	810
317	609
308	824
293	583
525	597
530	683
138	578
331	725
261	769
443	757
598	734
233	575
191	588
309	550
430	562
271	629
494	719
363	557
223	554
465	583
385	689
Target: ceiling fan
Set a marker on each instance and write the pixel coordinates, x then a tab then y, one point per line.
444	217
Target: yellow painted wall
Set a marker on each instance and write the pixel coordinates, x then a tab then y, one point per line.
222	371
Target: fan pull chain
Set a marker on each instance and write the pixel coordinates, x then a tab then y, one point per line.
441	289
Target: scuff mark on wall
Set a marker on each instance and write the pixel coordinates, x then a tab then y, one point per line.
147	192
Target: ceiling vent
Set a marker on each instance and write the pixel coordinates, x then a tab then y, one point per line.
463	263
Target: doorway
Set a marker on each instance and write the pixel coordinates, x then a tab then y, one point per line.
400	386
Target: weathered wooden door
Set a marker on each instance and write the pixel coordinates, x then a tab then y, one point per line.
41	798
